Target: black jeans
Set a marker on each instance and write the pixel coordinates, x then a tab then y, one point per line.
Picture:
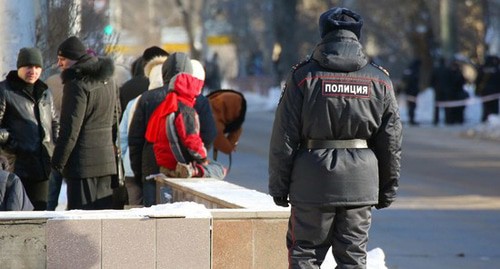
55	183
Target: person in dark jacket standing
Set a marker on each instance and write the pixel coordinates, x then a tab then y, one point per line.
142	157
488	84
455	92
439	81
85	150
335	147
411	79
29	125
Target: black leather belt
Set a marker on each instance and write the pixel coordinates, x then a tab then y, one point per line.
335	144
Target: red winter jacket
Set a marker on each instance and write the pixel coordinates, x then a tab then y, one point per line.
183	89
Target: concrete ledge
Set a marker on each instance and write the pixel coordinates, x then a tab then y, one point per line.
243	213
249	242
215	193
248	229
228	227
22	243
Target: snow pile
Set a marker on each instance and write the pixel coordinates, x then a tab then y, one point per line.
174	210
257	102
178	209
375	259
488	130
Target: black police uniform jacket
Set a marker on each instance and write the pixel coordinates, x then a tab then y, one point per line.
336	95
29	125
85	146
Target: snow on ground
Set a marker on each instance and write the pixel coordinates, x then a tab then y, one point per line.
375	260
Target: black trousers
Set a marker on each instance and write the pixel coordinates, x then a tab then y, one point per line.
312	230
37	192
412	106
489	107
90	193
437	111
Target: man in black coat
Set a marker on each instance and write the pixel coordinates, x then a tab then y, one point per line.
411	79
335	147
487	84
85	150
28	125
439	81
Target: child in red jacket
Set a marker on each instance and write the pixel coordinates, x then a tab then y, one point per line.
174	130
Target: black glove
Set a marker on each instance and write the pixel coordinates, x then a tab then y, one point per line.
57	168
281	201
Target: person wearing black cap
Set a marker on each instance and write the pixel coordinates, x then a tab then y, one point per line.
85	150
29	125
139	82
335	147
69	52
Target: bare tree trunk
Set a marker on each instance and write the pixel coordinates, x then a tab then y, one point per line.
153	28
41	33
204	18
422	41
17	29
75	18
448	31
186	16
492	39
284	25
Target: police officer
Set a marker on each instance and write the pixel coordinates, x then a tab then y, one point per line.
335	148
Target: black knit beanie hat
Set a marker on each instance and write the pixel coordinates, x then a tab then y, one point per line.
29	56
152	52
72	48
340	18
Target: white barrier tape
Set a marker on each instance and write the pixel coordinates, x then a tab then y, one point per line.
464	102
411	98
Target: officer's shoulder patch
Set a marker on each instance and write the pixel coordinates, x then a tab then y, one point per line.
298	65
381	68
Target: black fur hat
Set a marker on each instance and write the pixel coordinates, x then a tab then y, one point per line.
340	18
152	52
